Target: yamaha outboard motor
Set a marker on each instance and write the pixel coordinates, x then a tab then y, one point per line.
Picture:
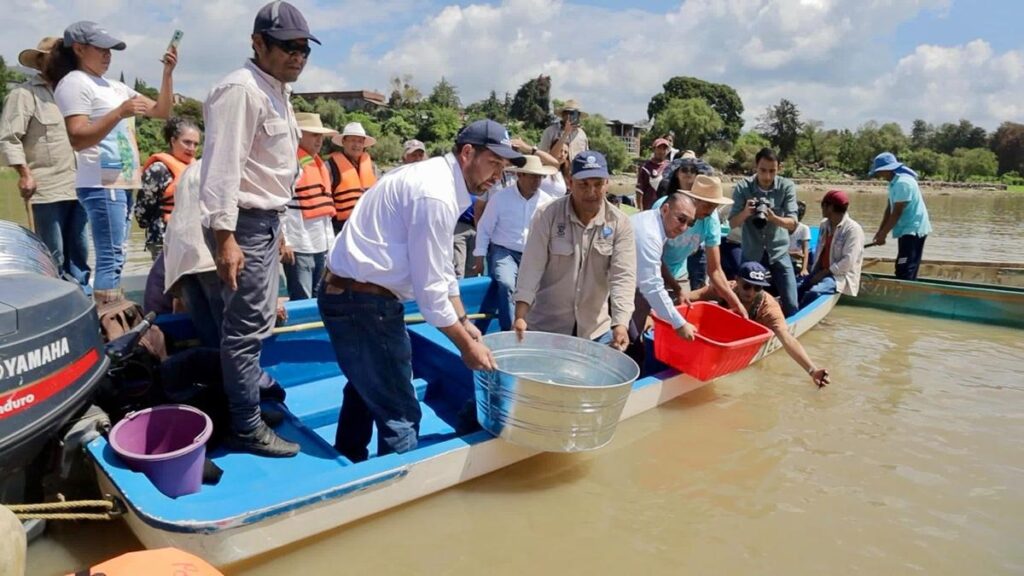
51	353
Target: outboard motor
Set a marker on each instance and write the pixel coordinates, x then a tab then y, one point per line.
51	353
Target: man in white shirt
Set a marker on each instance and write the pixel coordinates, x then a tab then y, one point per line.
396	246
502	231
248	174
840	252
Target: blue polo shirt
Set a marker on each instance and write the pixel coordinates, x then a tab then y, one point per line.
706	231
914	220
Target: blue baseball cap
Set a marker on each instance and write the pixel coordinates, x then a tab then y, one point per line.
86	32
494	137
282	21
589	164
756	274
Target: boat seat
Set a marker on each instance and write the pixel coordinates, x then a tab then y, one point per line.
433	429
316	403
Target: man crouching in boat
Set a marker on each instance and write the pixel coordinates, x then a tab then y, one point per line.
397	245
840	251
765	310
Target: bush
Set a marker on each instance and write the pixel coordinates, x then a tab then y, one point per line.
388	150
602	140
719	159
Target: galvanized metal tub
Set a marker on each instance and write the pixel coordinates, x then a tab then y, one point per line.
552	392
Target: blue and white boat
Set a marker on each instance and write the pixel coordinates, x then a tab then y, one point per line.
262	503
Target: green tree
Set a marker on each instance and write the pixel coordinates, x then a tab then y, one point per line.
441	126
149	136
445	95
602	140
781	125
531	103
746	148
491	107
927	162
388	150
7	77
191	109
1008	144
719	159
692	121
921	134
973	163
722	98
146	90
331	112
300	104
403	93
948	137
400	125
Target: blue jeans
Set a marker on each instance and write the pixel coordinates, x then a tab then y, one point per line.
503	265
732	257
108	211
697	269
61	225
303	277
809	292
201	293
784	281
375	354
910	249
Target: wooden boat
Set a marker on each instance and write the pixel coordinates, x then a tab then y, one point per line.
987	303
262	504
996	273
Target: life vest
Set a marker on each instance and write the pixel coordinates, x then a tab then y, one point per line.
312	191
161	562
177	168
350	183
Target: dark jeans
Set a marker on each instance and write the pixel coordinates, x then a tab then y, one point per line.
201	294
109	211
784	282
732	257
249	313
910	249
61	225
303	277
809	292
374	352
503	265
697	269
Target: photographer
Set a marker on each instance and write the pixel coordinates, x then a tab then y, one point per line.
765	207
566	133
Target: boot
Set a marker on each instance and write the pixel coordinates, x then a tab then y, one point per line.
261	441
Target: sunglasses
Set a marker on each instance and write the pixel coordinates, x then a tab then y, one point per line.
748	287
290	47
688	170
688	222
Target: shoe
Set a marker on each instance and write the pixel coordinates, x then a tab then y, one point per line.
271	416
261	441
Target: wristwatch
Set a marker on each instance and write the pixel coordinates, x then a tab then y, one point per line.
812	370
463	319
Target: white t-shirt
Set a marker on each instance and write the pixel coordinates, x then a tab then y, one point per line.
114	162
801	234
554	185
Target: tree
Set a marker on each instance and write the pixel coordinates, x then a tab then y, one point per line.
780	124
1008	144
146	90
401	125
491	107
973	163
927	162
445	95
403	93
531	103
692	121
440	126
722	98
191	109
746	148
388	150
602	140
921	134
949	137
7	77
149	136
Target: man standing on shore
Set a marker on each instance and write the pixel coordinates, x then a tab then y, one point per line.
650	174
905	216
248	174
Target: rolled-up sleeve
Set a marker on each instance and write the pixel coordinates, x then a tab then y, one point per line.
535	255
485	228
14	121
649	281
430	225
232	119
622	274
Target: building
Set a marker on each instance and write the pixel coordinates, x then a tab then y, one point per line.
351	100
629	133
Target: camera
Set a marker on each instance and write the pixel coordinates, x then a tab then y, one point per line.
574	117
760	216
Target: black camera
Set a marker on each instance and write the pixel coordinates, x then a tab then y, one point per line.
760	216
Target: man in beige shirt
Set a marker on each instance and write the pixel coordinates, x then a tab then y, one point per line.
34	142
578	272
567	133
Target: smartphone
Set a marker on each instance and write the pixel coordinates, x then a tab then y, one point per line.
574	117
175	40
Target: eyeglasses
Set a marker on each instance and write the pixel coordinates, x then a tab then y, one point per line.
685	221
290	47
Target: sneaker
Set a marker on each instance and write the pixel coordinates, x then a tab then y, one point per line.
261	441
271	416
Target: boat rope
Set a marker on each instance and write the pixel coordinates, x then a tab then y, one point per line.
105	509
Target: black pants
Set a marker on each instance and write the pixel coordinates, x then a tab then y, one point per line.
908	256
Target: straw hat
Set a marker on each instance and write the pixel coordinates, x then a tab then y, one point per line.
31	56
354	129
570	104
534	166
708	189
309	122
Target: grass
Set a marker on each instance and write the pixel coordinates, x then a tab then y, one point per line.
1015	188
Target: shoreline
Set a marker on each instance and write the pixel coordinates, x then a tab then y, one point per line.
820	187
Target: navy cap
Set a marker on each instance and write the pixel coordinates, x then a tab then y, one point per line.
492	135
282	21
756	274
86	32
589	164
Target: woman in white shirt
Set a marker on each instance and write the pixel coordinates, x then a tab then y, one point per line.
99	114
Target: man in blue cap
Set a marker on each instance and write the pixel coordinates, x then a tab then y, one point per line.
397	246
578	272
249	171
906	216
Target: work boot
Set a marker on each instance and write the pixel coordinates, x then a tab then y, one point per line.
261	441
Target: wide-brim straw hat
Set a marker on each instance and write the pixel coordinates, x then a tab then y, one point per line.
354	129
570	104
534	166
310	122
30	57
708	189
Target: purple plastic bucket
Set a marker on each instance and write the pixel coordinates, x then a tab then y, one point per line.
167	444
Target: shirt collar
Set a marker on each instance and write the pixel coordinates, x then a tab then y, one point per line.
598	220
38	80
462	196
274	82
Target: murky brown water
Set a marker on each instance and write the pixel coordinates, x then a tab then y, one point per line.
909	463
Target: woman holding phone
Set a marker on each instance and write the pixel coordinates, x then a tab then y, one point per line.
99	114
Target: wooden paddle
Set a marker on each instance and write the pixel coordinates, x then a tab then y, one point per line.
31	217
872	244
410	319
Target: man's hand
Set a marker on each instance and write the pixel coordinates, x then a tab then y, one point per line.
170	60
287	254
282	312
478	357
26	184
686	332
136	106
229	259
520	327
473	331
478	265
520	145
879	238
820	378
620	338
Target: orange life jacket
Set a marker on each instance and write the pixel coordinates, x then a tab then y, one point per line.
161	562
312	191
177	168
349	184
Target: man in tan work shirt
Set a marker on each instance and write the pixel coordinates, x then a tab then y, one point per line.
578	272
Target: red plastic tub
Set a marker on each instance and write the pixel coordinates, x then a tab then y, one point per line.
724	344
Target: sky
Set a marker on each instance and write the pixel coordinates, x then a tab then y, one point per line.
843	63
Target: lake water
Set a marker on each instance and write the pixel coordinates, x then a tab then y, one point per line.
909	463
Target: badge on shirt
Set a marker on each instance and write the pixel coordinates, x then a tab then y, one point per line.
560	230
606	232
